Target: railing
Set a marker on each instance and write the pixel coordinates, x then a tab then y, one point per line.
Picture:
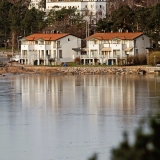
21	56
55	46
103	56
84	56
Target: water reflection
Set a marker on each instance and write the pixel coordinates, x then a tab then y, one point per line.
71	117
95	92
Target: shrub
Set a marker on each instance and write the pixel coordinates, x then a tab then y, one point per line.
154	58
140	59
77	60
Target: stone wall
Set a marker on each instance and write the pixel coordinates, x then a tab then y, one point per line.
76	70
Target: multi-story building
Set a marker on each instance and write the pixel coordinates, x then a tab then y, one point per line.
34	3
92	10
112	48
47	49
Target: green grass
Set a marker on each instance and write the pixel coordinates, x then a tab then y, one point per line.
5	49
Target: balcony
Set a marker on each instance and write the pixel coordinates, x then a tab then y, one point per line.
84	56
90	56
22	56
55	46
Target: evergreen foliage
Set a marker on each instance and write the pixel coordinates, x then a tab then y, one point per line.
126	19
146	145
17	20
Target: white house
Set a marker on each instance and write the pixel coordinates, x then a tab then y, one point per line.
93	10
34	3
46	49
112	48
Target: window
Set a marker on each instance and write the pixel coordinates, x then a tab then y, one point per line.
85	6
68	39
135	44
100	13
130	43
114	41
31	42
94	53
114	53
48	42
54	53
100	6
118	41
46	52
60	53
41	42
104	53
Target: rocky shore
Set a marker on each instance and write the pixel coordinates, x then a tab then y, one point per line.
22	69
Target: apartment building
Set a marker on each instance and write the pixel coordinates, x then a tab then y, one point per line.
48	49
112	48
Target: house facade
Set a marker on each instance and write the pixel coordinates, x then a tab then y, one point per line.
47	49
92	10
114	48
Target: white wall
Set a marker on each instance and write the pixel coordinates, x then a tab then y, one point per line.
92	6
141	43
68	43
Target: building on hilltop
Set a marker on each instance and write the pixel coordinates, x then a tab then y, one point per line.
92	10
35	4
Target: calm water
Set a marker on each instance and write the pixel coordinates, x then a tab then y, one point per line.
71	117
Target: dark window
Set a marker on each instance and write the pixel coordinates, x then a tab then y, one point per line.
60	53
47	52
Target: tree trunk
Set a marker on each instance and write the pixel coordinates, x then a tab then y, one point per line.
14	41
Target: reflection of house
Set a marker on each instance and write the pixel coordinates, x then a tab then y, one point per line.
89	91
113	48
45	49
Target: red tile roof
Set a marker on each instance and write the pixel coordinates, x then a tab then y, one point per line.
46	36
119	35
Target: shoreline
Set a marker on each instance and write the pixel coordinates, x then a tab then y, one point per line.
46	70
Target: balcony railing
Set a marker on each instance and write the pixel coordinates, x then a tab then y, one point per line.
84	56
22	56
103	56
55	46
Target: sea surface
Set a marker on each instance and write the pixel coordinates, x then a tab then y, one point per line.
72	117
